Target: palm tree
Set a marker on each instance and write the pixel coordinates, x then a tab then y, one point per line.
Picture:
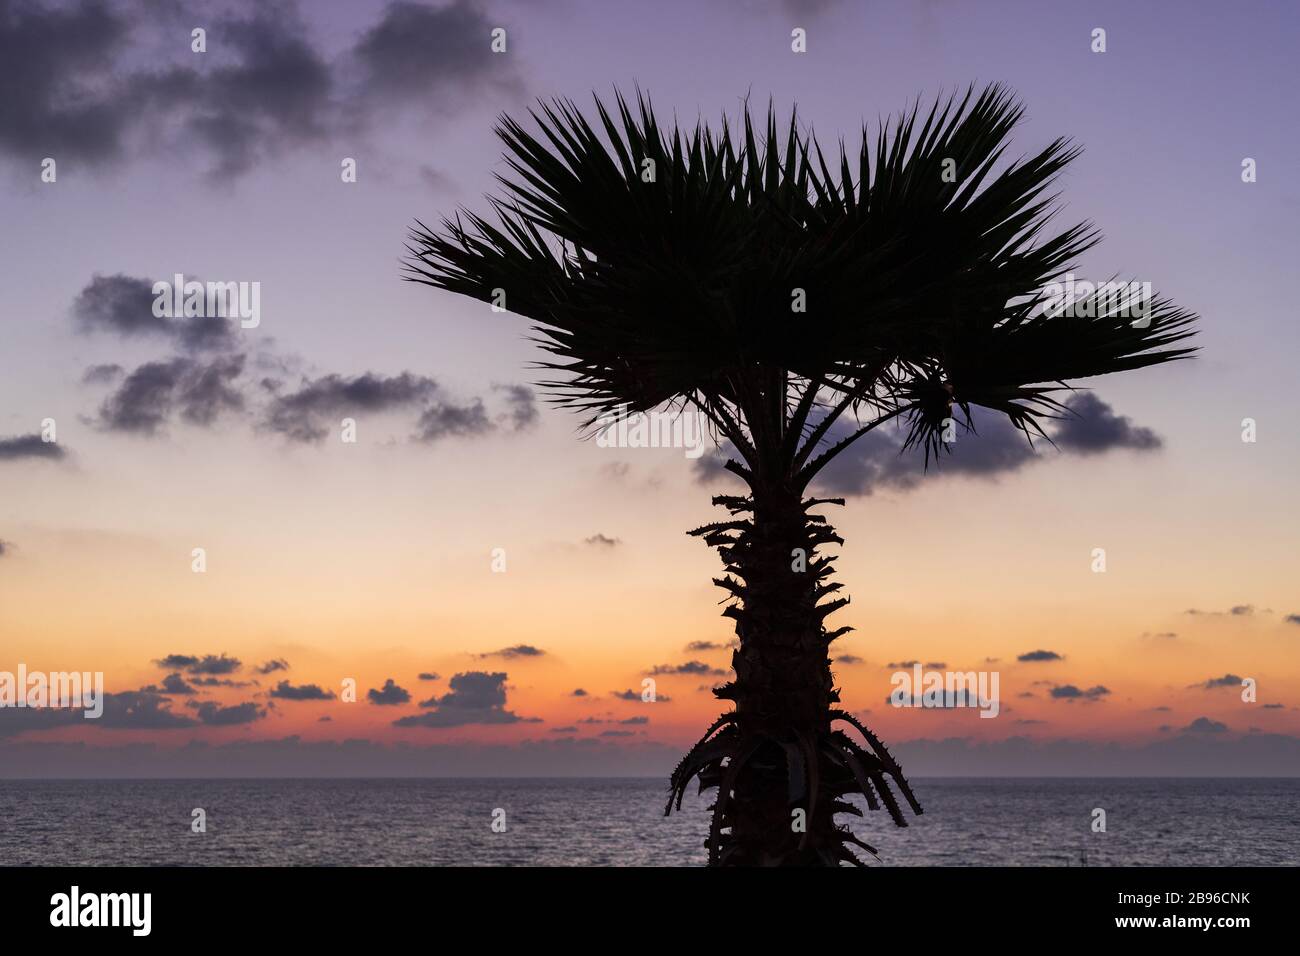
739	276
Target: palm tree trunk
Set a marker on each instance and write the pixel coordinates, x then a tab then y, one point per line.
783	690
780	769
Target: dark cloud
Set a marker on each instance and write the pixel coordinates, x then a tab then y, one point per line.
173	685
1237	610
700	646
945	700
102	374
1070	692
600	540
93	87
4	546
437	56
140	710
992	448
579	692
1093	428
124	305
512	653
1031	656
901	665
389	695
275	92
633	721
216	715
635	695
59	58
448	419
521	407
427	675
1227	680
564	730
1203	725
475	697
29	446
848	659
617	733
299	415
144	709
119	303
690	667
207	664
1292	619
286	691
270	667
218	682
199	391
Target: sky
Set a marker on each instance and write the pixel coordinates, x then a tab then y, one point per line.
373	560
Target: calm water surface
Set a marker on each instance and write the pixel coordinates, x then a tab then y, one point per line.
620	822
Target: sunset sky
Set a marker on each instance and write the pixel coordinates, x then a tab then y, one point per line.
373	560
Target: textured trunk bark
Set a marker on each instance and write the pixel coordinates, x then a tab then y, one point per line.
783	691
781	771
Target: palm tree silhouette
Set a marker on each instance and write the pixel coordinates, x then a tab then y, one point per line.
741	277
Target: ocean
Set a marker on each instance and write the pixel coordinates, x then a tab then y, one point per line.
620	822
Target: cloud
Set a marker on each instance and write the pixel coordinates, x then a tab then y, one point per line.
521	407
947	699
95	88
849	659
274	94
172	685
1237	610
1227	680
635	720
1031	656
60	57
124	305
600	540
1292	619
1094	428
515	652
218	682
140	710
578	692
4	546
29	446
699	646
446	419
270	667
992	449
102	374
299	415
1203	725
475	697
432	56
690	667
389	695
635	695
216	715
207	664
1070	692
286	691
199	391
427	675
